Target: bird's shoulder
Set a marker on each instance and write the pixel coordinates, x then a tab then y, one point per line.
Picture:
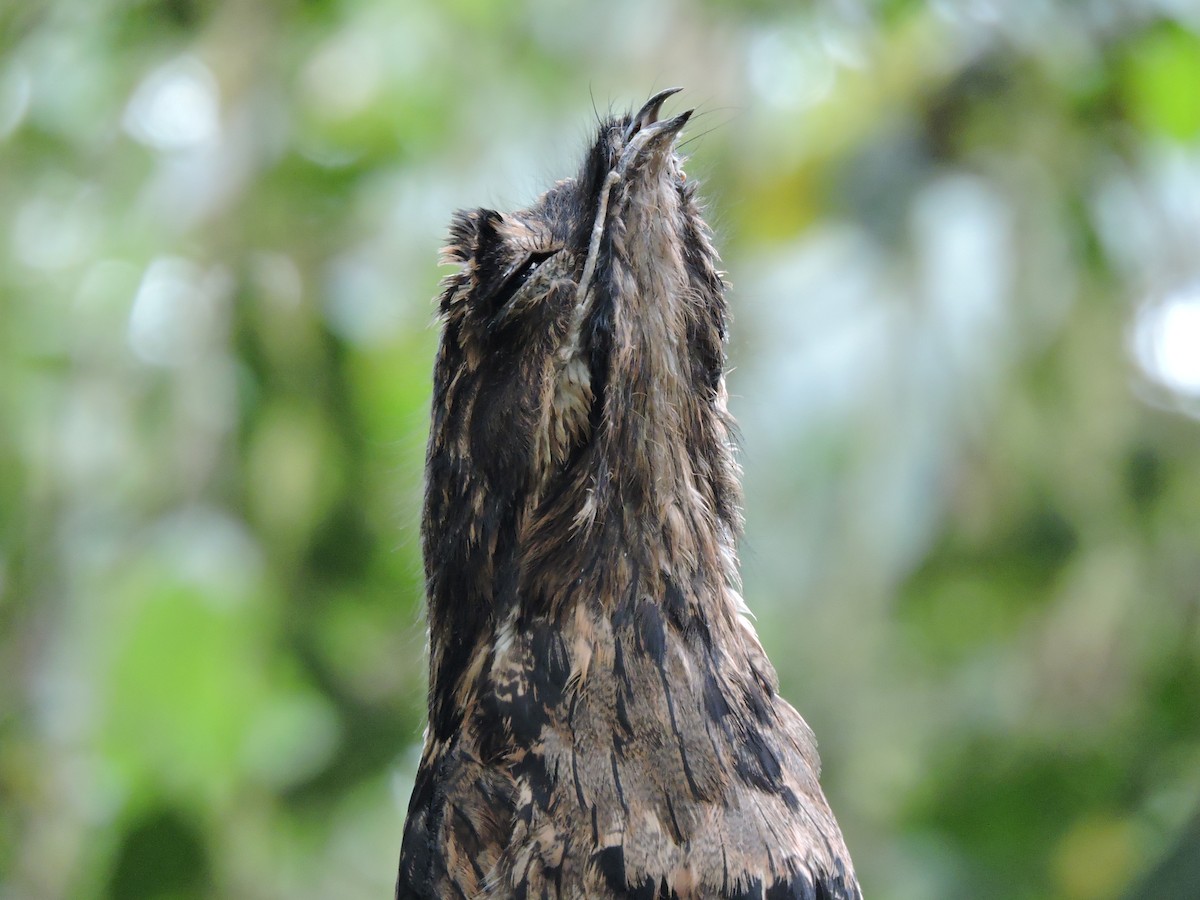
620	755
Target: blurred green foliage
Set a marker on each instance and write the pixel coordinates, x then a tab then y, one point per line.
962	239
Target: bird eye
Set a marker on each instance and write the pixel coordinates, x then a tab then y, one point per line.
517	277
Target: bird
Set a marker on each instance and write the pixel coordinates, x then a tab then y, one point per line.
603	720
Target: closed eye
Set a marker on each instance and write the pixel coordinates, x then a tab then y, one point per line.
516	278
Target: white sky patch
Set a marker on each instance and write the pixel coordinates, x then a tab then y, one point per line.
56	228
790	69
360	304
15	90
346	75
176	107
963	233
1166	340
172	313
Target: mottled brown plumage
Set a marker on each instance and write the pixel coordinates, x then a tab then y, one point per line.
603	721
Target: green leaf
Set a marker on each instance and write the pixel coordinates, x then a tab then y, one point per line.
1162	83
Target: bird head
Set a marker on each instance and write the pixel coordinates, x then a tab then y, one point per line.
594	318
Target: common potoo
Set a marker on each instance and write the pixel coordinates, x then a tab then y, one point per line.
603	721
